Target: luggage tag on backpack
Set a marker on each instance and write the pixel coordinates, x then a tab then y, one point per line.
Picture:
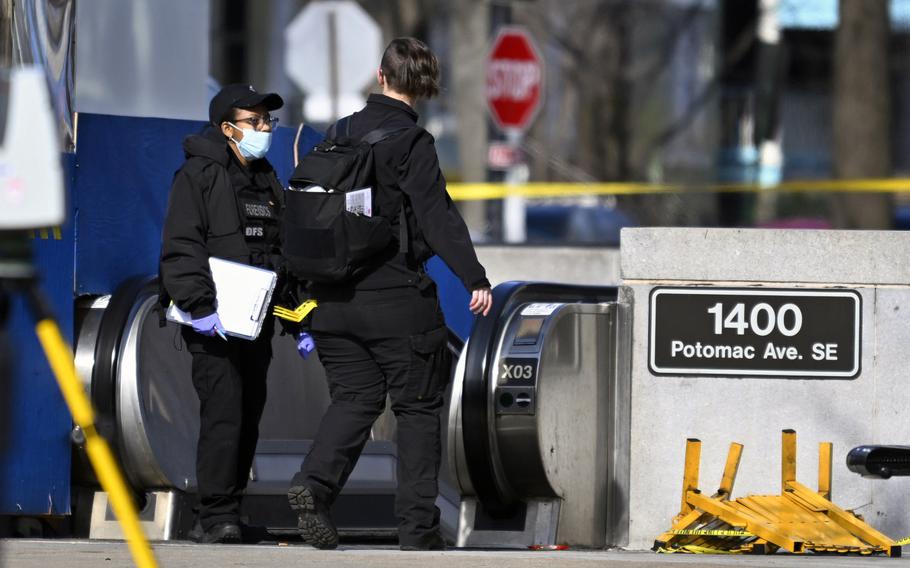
359	202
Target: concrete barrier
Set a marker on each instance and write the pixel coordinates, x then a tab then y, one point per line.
870	408
590	265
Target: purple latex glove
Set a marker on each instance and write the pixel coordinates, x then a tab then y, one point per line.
209	326
305	344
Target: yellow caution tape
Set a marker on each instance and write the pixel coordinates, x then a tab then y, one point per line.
708	532
537	190
296	315
697	549
45	233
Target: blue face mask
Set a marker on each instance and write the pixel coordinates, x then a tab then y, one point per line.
254	144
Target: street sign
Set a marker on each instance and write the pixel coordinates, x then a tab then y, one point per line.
514	79
502	156
767	332
332	52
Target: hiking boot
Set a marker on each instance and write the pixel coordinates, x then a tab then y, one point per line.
315	523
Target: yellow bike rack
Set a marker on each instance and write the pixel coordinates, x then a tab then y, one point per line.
798	520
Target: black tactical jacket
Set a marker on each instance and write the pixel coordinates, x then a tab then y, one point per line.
217	207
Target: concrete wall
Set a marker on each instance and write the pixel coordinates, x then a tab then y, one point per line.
868	409
595	266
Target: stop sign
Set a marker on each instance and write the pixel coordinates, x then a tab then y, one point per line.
514	79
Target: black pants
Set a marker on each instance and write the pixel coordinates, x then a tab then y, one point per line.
372	344
230	379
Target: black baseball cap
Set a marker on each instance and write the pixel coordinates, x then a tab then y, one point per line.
240	95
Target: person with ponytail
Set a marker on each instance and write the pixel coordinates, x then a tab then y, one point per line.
382	332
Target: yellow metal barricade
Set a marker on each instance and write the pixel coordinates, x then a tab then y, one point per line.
798	520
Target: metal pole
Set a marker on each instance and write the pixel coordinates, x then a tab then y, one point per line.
514	216
767	88
500	15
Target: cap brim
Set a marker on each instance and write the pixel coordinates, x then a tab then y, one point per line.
271	101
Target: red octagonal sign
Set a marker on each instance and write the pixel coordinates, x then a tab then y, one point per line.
514	79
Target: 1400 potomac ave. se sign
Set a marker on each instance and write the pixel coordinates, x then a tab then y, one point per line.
766	332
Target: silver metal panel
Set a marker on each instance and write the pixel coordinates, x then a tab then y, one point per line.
561	446
158	519
157	408
620	426
540	526
143	58
576	367
458	469
89	311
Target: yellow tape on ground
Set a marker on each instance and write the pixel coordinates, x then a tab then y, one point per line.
62	364
537	190
707	532
696	549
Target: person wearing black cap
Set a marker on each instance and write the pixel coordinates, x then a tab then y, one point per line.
225	201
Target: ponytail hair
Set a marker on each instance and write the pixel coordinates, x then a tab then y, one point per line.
410	68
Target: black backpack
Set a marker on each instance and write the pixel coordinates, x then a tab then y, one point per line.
322	240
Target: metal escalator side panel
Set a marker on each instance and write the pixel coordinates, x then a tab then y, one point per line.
519	435
455	436
574	424
89	313
157	408
106	354
477	426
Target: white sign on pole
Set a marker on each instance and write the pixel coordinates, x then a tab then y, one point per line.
332	51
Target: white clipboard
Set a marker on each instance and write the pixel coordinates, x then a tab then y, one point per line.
242	293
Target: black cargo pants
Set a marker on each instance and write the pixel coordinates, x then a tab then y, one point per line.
230	380
374	343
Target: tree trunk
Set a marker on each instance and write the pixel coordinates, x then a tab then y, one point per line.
470	29
862	111
6	26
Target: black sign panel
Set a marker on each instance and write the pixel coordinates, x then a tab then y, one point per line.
765	332
518	371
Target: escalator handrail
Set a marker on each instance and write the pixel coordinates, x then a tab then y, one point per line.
507	297
107	352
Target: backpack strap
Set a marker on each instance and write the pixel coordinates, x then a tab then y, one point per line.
402	230
380	134
374	137
342	125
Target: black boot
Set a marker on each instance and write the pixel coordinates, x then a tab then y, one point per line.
224	533
431	542
315	523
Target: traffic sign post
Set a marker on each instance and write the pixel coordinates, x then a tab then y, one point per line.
332	51
514	91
